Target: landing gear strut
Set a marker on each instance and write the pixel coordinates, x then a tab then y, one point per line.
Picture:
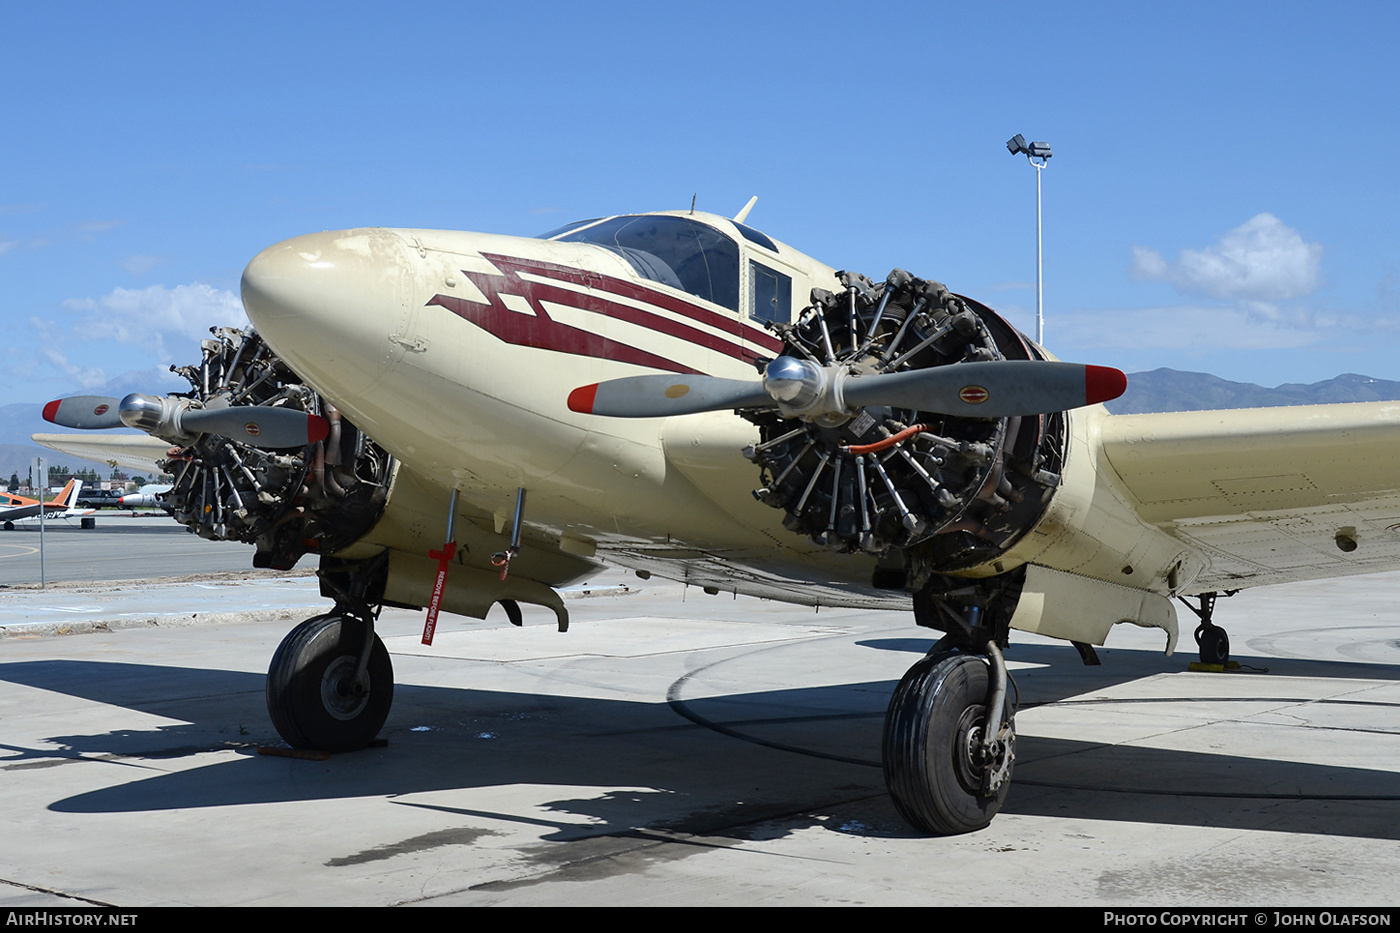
330	684
1212	640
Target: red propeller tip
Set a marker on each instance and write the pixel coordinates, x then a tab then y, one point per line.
1103	384
51	411
581	399
316	428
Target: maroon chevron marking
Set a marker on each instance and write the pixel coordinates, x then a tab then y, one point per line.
629	289
544	333
541	331
593	302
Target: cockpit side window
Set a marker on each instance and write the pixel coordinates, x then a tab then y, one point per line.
675	251
770	294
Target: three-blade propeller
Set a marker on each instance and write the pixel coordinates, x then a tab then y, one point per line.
801	388
173	418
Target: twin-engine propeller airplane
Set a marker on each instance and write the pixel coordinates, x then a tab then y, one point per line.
906	449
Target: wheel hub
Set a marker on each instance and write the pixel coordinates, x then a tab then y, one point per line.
343	696
982	767
968	763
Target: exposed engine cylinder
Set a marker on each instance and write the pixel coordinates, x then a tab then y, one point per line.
314	499
942	493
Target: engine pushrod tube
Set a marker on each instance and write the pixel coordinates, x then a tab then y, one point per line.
821	465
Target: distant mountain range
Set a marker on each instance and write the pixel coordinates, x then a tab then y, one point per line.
1170	390
1158	390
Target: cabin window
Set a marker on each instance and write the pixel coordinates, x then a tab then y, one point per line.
770	294
674	251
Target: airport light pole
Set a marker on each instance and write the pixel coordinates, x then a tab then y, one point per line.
38	468
1036	150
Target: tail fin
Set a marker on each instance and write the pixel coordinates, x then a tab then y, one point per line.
69	496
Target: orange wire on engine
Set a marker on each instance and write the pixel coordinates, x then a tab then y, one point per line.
889	441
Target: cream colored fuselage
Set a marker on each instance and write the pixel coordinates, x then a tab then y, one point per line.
457	352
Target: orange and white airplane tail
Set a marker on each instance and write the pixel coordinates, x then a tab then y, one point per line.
68	496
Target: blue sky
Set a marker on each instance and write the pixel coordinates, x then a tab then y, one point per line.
1223	194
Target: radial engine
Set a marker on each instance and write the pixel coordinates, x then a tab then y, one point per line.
316	498
928	494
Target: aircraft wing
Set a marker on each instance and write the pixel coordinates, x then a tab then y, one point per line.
1268	495
133	451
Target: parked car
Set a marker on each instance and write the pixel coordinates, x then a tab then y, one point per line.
97	498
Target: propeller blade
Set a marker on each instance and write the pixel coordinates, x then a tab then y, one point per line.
663	395
258	426
86	412
993	389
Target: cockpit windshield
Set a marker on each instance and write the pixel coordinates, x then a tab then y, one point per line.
675	251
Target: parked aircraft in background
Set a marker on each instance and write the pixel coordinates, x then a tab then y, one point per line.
148	497
21	508
680	394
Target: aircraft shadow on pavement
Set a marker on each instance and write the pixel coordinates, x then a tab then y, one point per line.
808	751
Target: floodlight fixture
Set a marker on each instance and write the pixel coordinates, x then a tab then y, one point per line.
1038	154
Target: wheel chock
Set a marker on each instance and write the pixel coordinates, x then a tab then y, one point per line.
1201	668
305	754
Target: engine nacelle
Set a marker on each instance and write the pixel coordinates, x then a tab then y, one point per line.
343	499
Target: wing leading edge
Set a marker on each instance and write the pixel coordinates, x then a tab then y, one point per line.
133	451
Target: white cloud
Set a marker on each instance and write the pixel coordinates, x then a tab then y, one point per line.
89	377
1262	260
1148	263
150	315
7	245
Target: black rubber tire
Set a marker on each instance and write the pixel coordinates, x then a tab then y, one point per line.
934	783
9	526
1214	644
302	697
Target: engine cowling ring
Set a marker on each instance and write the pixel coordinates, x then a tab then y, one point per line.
944	492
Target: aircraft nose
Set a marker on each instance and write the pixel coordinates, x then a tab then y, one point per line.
331	303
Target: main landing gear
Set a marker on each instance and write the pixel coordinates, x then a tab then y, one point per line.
946	768
1212	640
950	734
330	684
